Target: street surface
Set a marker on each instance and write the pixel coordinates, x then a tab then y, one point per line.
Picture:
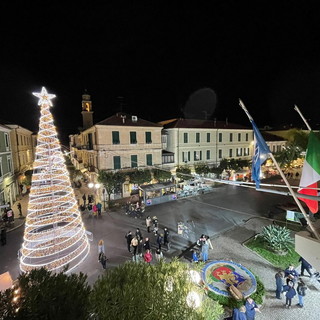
211	213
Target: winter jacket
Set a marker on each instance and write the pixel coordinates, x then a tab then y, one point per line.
305	264
147	257
291	292
301	289
279	282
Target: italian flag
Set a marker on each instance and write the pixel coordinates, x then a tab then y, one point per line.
311	172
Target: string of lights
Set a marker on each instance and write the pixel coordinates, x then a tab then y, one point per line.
54	234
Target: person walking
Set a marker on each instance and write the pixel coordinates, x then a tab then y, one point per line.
146	245
84	198
305	265
209	242
99	207
158	255
3	235
20	209
134	244
205	251
290	293
148	223
251	309
166	238
291	274
103	260
101	247
139	234
155	225
159	240
148	257
129	237
95	210
279	283
301	290
10	216
139	251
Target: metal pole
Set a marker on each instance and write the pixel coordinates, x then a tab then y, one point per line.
303	118
294	197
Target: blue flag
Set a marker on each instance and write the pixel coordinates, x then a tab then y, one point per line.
260	155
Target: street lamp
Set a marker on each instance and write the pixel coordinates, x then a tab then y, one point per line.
94	186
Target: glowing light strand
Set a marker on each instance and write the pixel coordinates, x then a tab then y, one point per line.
54	233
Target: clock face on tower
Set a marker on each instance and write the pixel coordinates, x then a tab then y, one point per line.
86	106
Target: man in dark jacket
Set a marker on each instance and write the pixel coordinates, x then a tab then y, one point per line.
291	274
129	237
159	240
146	245
279	284
305	265
166	238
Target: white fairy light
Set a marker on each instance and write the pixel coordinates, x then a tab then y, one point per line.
54	233
195	276
193	300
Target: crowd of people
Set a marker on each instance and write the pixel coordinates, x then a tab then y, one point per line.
202	250
294	285
94	209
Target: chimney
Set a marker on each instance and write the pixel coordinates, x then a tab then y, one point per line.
215	122
226	121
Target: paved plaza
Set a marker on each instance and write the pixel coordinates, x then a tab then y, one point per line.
229	215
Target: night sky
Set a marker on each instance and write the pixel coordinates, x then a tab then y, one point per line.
165	60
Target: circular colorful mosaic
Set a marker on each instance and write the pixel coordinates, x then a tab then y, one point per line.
219	275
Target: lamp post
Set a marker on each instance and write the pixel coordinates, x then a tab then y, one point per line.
104	199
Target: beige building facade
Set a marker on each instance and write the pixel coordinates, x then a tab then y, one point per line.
206	141
119	142
22	149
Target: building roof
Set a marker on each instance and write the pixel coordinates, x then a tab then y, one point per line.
271	137
124	119
202	124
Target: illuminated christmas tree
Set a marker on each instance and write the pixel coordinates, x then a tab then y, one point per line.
54	234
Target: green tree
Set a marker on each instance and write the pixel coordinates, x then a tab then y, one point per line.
140	176
46	295
224	165
142	291
201	168
111	180
161	175
183	172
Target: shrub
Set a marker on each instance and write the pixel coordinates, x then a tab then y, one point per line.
278	238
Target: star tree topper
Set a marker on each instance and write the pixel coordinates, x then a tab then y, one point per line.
44	97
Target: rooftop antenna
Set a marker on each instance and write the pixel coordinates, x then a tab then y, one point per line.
121	103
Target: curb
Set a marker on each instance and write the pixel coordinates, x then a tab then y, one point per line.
18	226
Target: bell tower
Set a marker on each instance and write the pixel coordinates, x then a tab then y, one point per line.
87	118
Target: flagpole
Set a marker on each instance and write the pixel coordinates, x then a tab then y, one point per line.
285	181
303	118
294	197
